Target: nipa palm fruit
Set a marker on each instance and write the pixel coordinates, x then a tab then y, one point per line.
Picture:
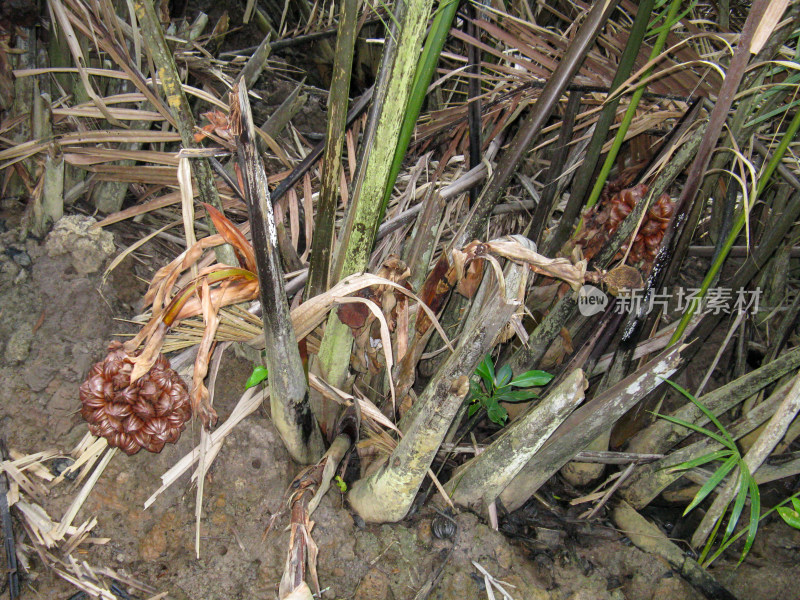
603	220
149	413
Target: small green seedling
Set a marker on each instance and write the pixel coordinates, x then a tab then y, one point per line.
341	484
493	388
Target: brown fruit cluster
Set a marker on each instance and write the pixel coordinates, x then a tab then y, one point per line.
603	220
147	414
651	233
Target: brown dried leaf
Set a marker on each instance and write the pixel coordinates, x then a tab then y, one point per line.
232	235
434	291
558	268
468	284
199	395
353	315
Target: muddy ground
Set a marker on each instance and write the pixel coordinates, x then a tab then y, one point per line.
57	321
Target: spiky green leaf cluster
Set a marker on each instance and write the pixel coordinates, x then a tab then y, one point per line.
731	458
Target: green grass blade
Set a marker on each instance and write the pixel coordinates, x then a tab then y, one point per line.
738	505
773	113
715	436
710	542
755	517
691	464
713	482
741	532
711	416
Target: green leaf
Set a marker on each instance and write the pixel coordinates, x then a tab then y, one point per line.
496	413
714	436
516	396
669	25
755	517
532	379
504	375
475	390
796	504
792	517
712	456
486	371
473	408
711	538
258	375
738	505
713	482
711	416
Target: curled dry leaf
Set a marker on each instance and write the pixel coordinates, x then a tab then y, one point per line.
386	296
557	268
218	124
200	396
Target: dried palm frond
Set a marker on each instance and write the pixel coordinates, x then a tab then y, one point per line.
525	55
57	543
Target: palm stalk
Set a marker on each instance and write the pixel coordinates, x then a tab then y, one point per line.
663	435
322	245
528	356
763	179
291	411
586	424
480	481
540	112
650	480
387	494
380	141
426	67
583	176
156	45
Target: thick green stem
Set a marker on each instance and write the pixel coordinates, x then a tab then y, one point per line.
358	234
322	246
440	29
